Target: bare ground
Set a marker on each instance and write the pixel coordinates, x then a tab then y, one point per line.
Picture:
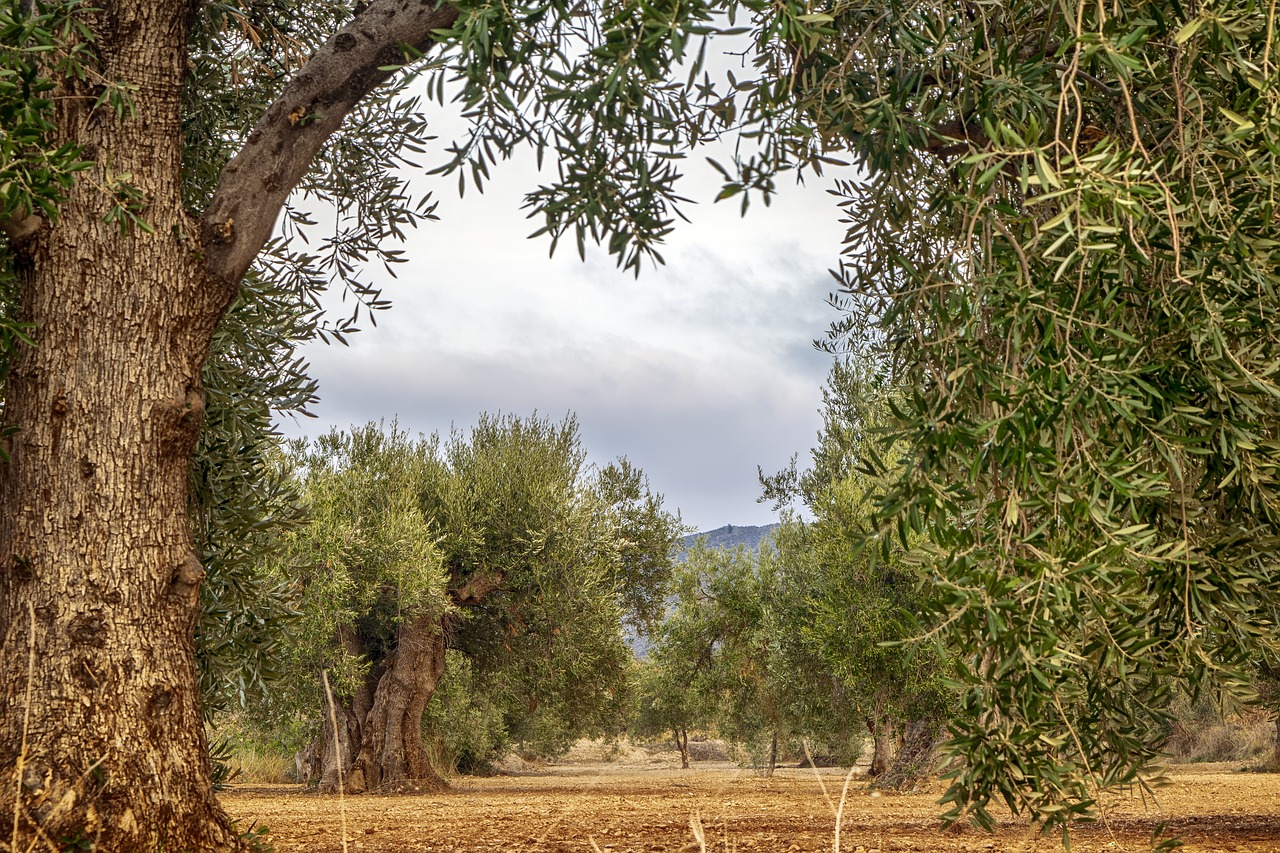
642	803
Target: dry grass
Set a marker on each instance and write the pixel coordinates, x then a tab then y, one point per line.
263	768
1248	737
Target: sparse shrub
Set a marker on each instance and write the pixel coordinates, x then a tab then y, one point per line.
242	752
702	749
1201	732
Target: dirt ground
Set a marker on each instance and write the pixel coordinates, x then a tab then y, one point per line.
644	803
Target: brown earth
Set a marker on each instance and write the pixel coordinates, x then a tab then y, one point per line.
642	804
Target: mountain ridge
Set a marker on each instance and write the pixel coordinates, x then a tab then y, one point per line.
732	535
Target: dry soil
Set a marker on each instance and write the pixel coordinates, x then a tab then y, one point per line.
644	803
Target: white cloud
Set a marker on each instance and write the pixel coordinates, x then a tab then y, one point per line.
699	371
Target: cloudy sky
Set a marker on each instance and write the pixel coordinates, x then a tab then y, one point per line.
698	372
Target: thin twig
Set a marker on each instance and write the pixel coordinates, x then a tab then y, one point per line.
699	834
337	746
823	785
844	796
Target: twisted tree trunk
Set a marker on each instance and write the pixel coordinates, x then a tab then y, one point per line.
915	760
391	756
380	737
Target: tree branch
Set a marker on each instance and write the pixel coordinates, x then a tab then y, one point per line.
943	139
477	587
286	139
19	229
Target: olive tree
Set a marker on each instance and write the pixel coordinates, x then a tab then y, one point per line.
149	151
500	544
1064	252
1064	246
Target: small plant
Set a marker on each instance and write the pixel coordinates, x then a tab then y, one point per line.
221	769
258	838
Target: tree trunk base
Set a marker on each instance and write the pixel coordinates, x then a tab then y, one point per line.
915	760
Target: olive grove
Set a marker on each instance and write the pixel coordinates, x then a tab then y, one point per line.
1062	251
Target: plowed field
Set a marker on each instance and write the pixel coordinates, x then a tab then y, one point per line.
649	806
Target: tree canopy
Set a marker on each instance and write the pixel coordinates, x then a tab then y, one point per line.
500	545
1062	252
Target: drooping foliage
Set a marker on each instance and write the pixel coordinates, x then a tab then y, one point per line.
1064	250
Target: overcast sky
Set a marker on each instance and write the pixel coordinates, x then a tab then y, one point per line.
698	372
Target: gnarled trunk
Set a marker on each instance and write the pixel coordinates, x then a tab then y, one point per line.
384	744
101	739
99	576
915	759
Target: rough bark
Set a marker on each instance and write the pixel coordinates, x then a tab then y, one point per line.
320	761
881	746
915	759
101	739
98	573
383	747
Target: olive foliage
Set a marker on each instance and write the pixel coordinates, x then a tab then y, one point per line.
529	557
1064	250
735	654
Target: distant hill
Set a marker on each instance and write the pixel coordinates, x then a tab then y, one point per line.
732	535
729	536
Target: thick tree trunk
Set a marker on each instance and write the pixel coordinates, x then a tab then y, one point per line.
340	751
101	738
322	757
915	759
386	740
881	745
99	575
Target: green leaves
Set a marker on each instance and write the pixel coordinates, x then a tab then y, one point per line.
1058	247
528	559
35	170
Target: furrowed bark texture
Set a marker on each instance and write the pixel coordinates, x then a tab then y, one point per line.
916	759
94	536
101	740
382	747
382	741
391	756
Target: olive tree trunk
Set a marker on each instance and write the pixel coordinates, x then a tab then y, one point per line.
99	583
380	736
881	730
916	759
681	735
101	740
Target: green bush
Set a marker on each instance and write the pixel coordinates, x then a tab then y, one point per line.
465	732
